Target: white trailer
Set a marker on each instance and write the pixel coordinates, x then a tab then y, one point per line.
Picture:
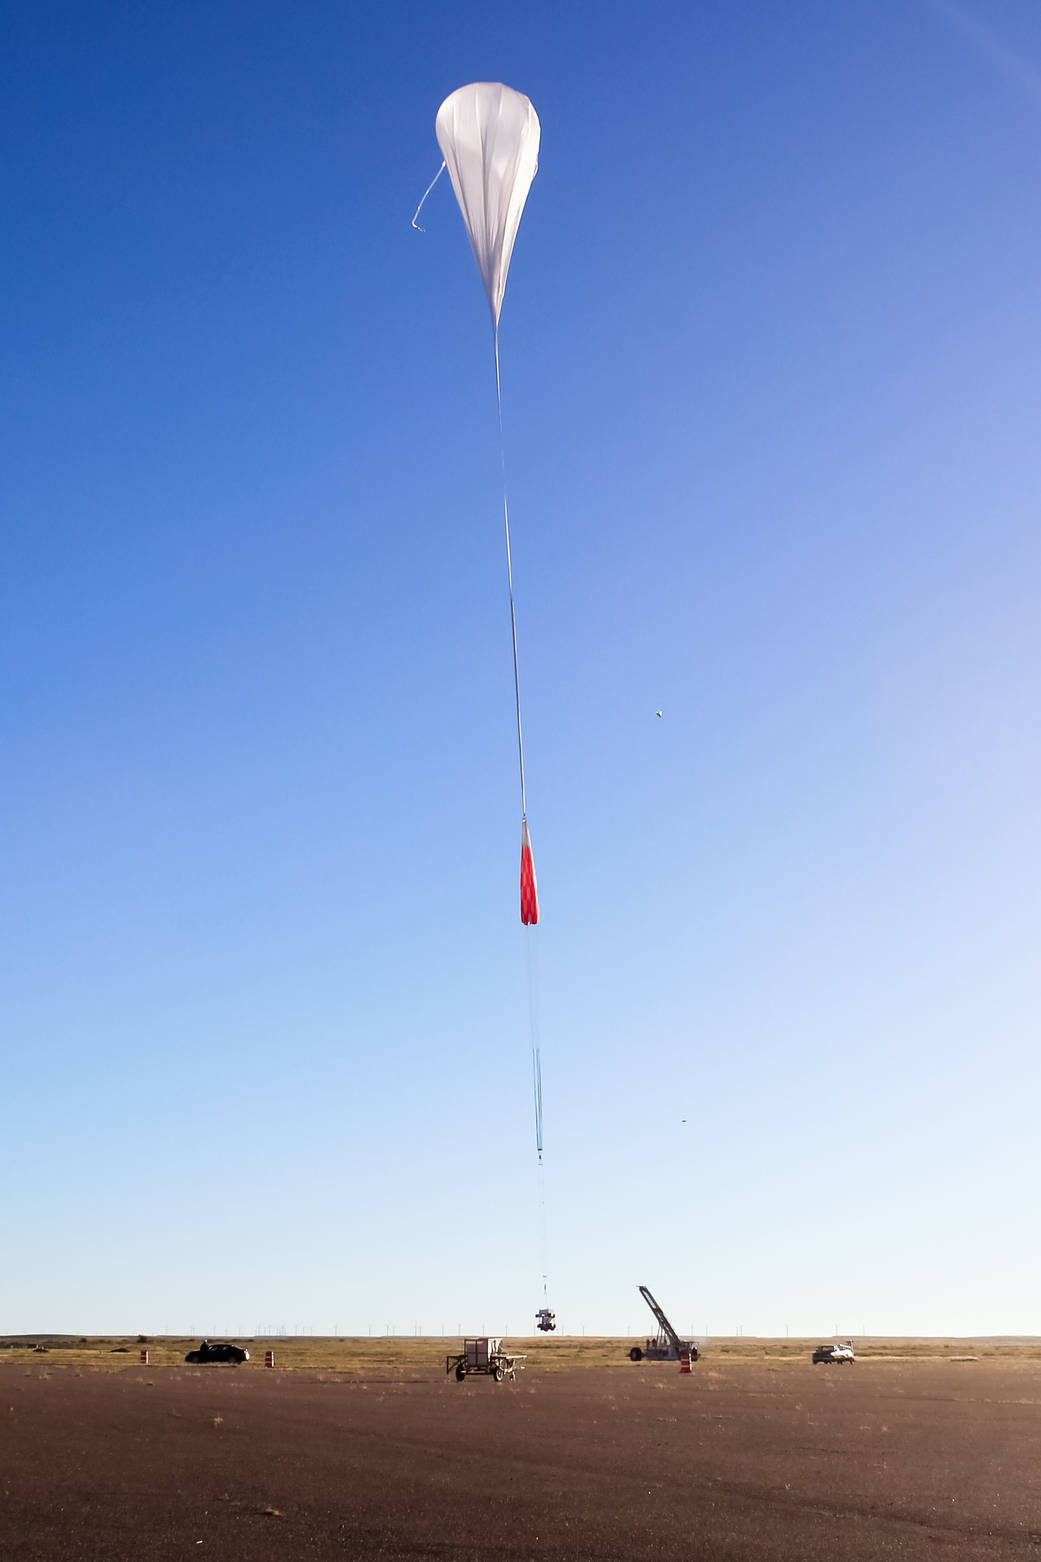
483	1356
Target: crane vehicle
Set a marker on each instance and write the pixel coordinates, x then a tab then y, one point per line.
666	1344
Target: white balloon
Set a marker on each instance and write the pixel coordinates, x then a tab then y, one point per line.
489	139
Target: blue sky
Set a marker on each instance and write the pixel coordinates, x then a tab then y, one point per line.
770	353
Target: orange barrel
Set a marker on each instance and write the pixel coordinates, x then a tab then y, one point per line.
685	1362
269	1358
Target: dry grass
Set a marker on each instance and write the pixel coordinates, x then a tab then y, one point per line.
425	1353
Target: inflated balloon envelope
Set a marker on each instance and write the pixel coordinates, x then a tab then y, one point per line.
489	139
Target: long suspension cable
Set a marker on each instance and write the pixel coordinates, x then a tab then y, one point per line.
536	1079
536	1048
509	581
543	1240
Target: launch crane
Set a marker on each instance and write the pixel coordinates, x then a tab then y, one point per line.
666	1344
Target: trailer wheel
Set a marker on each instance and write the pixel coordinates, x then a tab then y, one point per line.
636	1354
500	1372
460	1373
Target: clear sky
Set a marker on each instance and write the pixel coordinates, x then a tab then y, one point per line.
771	354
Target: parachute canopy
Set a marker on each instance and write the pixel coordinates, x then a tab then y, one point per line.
489	139
529	891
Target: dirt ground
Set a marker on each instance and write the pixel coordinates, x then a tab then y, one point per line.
748	1462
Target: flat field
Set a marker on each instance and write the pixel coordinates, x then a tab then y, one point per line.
365	1449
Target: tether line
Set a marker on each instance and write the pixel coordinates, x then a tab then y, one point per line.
509	581
536	1080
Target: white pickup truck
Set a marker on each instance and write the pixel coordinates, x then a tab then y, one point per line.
840	1353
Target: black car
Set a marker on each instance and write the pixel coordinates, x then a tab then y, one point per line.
209	1353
